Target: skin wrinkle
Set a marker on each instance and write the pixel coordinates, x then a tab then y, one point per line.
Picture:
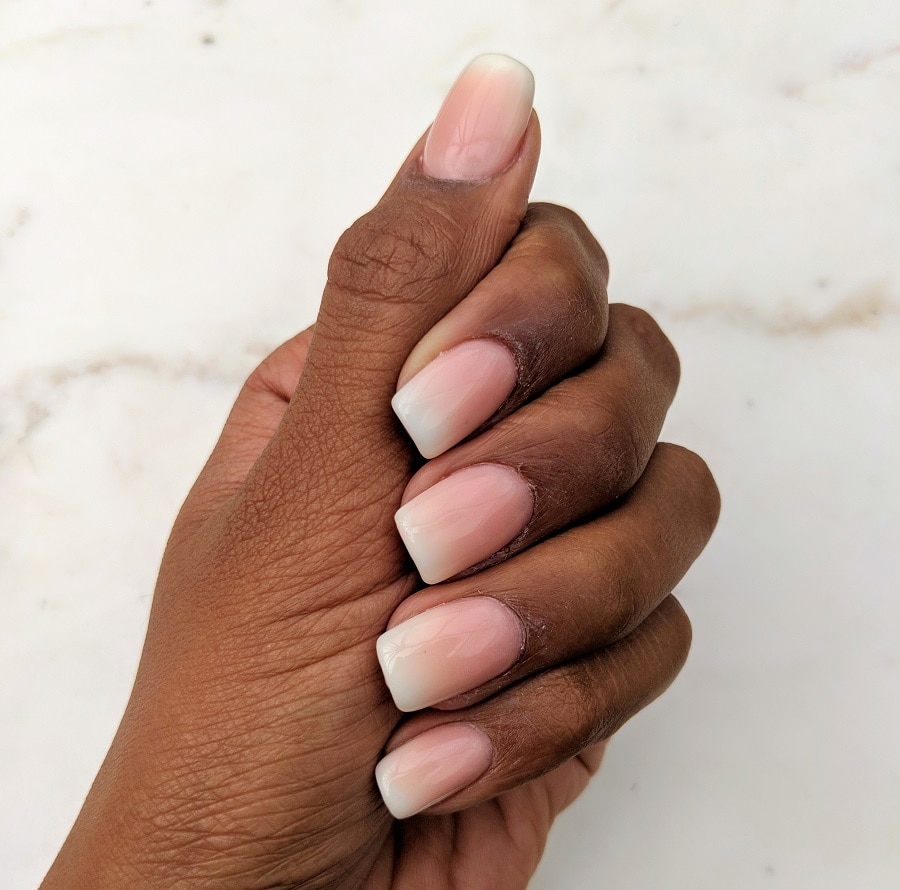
405	242
287	623
282	564
261	869
252	794
283	598
287	688
348	368
521	838
314	657
393	243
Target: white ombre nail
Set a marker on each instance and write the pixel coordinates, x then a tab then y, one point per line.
480	125
463	519
454	394
448	650
432	766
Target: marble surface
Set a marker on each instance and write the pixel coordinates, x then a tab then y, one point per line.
172	177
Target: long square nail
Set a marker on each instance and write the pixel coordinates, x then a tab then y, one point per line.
448	650
455	393
432	766
463	519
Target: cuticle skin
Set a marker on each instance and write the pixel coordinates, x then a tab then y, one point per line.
514	396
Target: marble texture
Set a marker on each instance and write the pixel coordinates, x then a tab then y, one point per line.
172	177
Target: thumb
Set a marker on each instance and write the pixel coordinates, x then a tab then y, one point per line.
442	225
444	222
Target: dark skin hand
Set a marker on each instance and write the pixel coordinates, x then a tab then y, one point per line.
246	755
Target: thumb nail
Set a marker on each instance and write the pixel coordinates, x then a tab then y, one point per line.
478	130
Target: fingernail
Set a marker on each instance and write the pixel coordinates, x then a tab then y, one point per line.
448	650
464	519
432	766
478	130
454	394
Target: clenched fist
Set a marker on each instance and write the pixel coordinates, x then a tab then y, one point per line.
368	669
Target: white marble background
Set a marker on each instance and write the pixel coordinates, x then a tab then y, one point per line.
172	176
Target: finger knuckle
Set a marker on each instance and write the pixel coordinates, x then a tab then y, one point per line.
392	256
621	607
592	698
578	289
607	452
646	330
621	571
555	216
576	313
572	229
619	450
556	240
697	479
629	598
678	631
278	372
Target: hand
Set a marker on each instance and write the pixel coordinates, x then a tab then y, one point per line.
247	753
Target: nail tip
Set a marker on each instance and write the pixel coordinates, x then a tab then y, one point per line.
427	444
382	655
402	410
429	576
503	60
427	573
397	807
403	701
423	440
456	392
406	707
